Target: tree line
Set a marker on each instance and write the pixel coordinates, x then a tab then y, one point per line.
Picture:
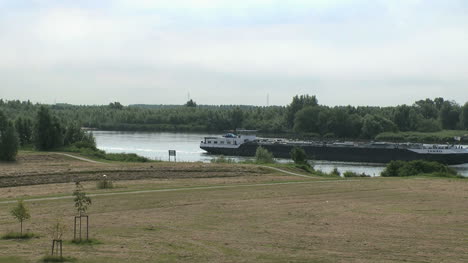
44	131
52	126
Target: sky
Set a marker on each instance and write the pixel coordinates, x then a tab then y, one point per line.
346	52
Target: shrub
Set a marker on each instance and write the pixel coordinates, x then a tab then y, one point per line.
335	172
418	167
104	183
353	174
298	155
262	155
16	235
222	159
306	167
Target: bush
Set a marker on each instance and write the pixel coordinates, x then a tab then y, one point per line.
222	159
298	155
335	172
322	173
262	155
17	235
104	183
418	167
353	174
306	167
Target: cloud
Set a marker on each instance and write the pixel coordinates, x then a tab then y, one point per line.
357	52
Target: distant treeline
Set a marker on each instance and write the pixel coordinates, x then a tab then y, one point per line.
303	117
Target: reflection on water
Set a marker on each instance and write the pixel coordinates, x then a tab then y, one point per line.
155	145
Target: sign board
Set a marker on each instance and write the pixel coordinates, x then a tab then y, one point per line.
172	153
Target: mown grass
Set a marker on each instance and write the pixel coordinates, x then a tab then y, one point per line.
287	223
12	260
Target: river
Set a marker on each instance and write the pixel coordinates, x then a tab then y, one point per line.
155	145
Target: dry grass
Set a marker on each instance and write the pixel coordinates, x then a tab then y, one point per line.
365	220
49	168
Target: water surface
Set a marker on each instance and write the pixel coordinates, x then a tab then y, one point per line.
155	145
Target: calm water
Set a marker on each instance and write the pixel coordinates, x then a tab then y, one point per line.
156	145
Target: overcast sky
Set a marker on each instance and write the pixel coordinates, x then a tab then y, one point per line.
358	52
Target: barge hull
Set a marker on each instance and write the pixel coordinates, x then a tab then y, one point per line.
345	154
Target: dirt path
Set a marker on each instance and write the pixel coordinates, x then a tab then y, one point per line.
79	158
288	172
178	189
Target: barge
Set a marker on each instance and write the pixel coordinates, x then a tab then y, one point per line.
245	143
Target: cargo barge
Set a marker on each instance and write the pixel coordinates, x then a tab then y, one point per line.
245	143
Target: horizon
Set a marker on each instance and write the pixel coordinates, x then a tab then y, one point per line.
220	105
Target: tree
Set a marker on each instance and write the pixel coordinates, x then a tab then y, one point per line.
262	155
298	155
8	139
116	105
297	104
307	120
464	116
21	213
47	131
401	117
56	232
237	117
81	204
191	103
24	129
449	115
81	200
8	143
373	125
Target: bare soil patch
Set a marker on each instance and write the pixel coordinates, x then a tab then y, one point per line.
49	168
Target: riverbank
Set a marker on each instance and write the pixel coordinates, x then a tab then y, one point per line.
236	213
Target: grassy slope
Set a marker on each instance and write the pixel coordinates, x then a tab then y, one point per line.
366	220
429	137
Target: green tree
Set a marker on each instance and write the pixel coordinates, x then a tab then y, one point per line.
8	139
297	104
298	155
307	120
427	108
21	213
8	143
464	116
449	115
116	106
401	117
191	103
81	200
373	125
262	155
24	129
237	118
47	131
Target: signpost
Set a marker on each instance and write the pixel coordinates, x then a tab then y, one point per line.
172	153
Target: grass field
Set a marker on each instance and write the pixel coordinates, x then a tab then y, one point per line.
254	215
